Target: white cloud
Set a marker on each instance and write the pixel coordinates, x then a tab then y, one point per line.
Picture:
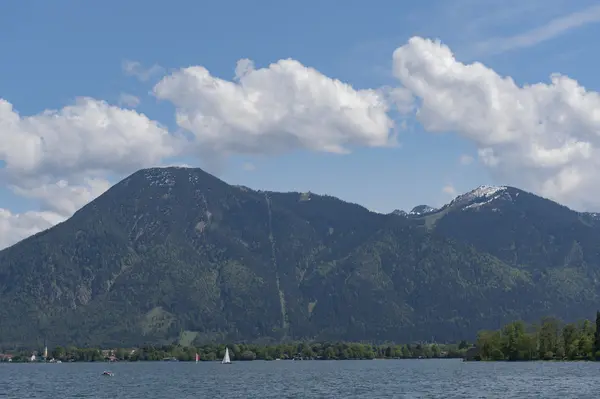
400	97
62	198
176	165
15	227
134	68
129	100
61	158
80	139
283	107
543	137
465	159
549	30
449	189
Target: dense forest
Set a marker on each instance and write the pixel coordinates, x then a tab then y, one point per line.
548	340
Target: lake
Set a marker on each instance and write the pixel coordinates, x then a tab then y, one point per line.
371	379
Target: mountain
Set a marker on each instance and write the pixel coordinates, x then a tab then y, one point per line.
177	254
521	229
421	210
558	247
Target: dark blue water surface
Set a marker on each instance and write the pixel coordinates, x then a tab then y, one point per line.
303	379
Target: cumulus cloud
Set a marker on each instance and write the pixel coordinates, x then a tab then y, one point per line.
83	138
62	198
401	98
544	137
15	227
283	107
61	158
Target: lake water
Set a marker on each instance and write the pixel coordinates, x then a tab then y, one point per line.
302	379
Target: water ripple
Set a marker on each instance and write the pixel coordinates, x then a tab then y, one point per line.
287	379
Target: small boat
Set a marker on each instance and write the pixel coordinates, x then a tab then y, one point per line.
226	359
108	373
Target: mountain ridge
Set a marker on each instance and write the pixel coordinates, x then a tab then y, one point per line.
178	254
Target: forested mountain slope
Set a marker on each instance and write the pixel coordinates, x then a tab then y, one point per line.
175	253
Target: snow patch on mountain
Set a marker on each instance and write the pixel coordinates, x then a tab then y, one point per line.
479	197
161	177
478	204
480	192
422	210
592	215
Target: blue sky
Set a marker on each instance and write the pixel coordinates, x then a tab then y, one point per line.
56	51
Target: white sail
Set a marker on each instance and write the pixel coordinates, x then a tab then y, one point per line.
226	357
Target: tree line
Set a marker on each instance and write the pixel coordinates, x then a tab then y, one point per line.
248	352
549	339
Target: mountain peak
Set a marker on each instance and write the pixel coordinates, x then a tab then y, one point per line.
169	176
479	196
422	210
486	190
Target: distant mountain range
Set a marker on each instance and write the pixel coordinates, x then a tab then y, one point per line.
176	254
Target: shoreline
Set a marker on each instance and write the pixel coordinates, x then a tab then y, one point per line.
296	351
235	361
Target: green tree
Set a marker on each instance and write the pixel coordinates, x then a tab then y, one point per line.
329	353
513	344
435	350
248	355
586	346
597	336
490	345
120	354
570	336
548	338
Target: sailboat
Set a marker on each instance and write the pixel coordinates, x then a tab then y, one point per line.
197	357
226	359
